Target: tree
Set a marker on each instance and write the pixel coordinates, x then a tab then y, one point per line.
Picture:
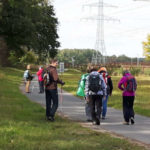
146	48
31	24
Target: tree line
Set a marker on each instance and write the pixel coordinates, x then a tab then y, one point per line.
84	56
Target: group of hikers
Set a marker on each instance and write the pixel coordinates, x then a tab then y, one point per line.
95	86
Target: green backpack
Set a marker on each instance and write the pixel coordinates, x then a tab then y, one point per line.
81	85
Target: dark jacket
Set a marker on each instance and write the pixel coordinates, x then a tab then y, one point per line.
54	79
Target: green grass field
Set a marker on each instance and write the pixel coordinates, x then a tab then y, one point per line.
23	125
142	100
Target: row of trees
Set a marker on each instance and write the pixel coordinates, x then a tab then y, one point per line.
27	26
84	56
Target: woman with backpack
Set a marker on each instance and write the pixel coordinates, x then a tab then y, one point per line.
109	88
128	85
28	77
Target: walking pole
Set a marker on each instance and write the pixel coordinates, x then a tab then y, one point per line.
61	98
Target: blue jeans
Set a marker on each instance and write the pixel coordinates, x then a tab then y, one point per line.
51	102
104	106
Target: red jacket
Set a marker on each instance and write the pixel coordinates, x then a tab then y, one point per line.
39	74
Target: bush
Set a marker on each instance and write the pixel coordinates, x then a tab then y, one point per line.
135	71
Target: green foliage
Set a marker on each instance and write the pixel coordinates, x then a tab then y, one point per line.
31	24
81	57
29	57
135	71
146	48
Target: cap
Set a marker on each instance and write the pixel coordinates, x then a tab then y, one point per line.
102	69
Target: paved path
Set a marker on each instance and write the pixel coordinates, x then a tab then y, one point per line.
73	108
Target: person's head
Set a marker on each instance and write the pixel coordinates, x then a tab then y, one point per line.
102	69
28	67
93	69
89	67
54	62
41	67
125	72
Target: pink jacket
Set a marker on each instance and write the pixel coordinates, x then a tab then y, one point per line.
123	80
39	74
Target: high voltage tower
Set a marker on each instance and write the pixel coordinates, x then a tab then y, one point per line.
100	55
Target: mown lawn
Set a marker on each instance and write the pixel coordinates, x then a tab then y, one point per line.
23	125
142	100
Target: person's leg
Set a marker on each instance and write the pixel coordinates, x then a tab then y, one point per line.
98	103
42	86
48	103
27	86
54	95
104	106
131	110
92	106
126	108
88	111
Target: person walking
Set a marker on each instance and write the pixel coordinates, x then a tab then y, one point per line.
28	77
80	92
51	80
109	88
95	89
128	85
40	75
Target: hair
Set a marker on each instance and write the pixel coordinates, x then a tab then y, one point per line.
89	67
53	61
125	71
93	69
28	67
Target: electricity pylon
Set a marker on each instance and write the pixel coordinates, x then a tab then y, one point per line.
100	54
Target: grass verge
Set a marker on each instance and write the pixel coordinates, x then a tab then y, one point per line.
22	124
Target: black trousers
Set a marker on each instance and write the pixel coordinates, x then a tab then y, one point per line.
128	112
51	102
96	106
41	86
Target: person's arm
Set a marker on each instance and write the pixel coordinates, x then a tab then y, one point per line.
103	86
120	84
110	84
86	90
56	78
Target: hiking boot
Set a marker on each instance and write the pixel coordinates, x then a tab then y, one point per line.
132	120
97	122
94	122
125	123
50	119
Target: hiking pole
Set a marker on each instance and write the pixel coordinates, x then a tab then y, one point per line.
61	98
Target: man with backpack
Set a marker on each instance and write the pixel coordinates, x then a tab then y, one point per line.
128	85
109	88
40	75
51	80
95	89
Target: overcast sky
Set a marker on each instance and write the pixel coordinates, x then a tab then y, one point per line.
124	37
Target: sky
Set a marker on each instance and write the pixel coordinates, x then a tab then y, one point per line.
123	36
